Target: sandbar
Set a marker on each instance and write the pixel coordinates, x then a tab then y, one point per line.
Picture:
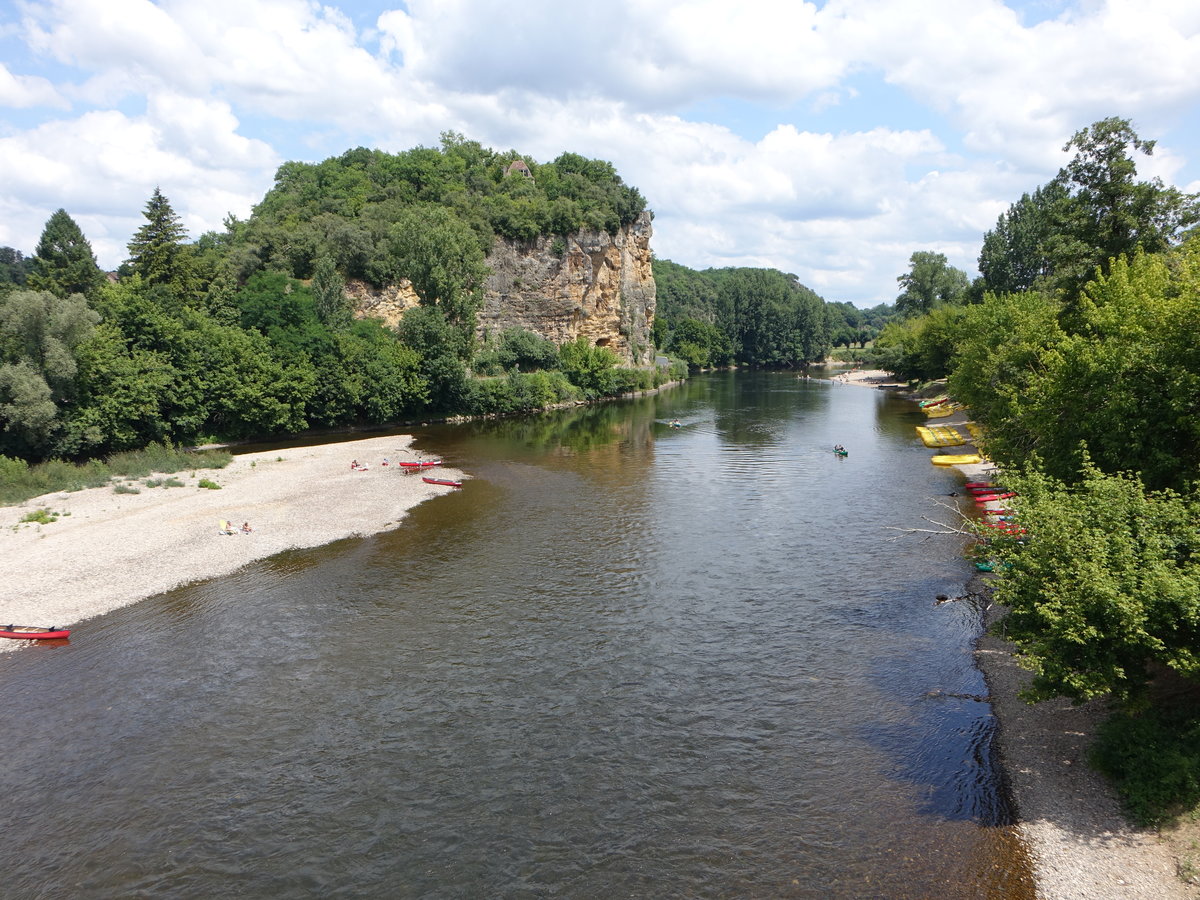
106	550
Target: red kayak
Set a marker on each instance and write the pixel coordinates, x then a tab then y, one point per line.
33	632
421	464
445	481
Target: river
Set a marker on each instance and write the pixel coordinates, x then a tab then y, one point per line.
626	660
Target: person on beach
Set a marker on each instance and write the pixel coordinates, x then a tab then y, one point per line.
246	529
354	464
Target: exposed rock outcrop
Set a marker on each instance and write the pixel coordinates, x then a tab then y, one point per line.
591	283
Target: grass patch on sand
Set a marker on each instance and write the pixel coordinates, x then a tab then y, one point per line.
20	481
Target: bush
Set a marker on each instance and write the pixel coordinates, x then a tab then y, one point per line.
1153	759
40	517
208	485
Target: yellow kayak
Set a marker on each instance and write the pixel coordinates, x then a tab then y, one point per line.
955	459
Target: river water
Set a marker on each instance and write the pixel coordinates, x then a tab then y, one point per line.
626	660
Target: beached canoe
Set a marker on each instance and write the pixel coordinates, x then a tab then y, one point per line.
445	481
420	464
33	632
955	459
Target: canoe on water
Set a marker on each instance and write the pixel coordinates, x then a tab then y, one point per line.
955	459
33	632
445	481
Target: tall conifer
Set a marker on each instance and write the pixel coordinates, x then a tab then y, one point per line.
63	263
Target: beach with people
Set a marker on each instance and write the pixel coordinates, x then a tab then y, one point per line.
101	549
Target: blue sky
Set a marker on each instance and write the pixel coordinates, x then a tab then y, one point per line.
830	140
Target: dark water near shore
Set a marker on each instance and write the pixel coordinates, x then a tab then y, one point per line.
625	660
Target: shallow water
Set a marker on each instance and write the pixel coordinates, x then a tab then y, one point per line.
626	660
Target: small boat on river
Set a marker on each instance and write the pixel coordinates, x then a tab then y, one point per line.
33	632
955	459
446	481
420	463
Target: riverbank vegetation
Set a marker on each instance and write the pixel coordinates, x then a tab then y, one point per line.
249	333
1075	351
753	317
19	481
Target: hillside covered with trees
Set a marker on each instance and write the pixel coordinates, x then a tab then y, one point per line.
751	317
248	332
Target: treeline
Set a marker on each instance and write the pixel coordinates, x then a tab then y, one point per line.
248	332
1076	350
752	317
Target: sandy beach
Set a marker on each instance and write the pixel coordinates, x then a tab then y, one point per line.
107	550
1082	847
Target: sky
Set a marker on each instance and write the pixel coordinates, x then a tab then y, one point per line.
830	140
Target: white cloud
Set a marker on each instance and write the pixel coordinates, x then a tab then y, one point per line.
23	91
206	99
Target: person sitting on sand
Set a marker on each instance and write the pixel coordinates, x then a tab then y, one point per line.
246	529
354	464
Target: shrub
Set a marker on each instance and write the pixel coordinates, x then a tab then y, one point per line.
208	485
1153	759
40	516
125	489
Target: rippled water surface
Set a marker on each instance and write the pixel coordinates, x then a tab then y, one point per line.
626	660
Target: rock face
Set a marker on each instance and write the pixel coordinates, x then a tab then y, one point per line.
591	283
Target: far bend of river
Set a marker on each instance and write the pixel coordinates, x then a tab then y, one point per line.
625	661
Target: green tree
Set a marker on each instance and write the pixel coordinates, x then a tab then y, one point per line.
443	260
930	282
63	262
156	251
589	368
1106	586
1014	256
39	335
329	293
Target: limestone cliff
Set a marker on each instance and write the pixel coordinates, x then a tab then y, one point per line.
591	283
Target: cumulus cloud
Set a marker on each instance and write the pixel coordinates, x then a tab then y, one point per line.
816	177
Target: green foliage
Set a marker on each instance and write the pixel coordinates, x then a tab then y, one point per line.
208	484
924	347
589	368
1153	758
1093	212
125	489
329	293
443	259
157	254
15	269
63	262
40	517
1123	384
520	392
39	337
930	282
1106	583
346	207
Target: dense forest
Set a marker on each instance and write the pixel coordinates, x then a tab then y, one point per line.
753	317
1076	351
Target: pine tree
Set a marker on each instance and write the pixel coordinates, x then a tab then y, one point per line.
63	263
156	252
